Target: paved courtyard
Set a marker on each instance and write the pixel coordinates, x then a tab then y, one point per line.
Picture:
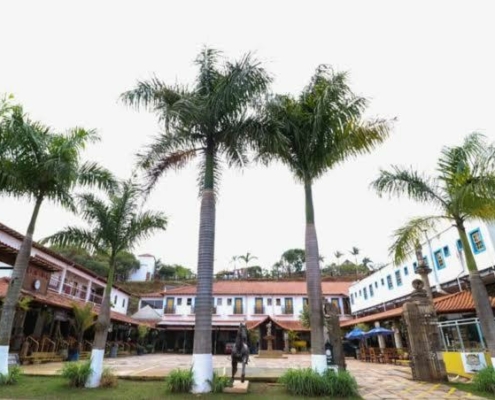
376	381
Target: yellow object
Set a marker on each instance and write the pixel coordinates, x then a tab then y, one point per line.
453	363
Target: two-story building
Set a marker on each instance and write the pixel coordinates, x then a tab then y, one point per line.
234	301
390	286
53	284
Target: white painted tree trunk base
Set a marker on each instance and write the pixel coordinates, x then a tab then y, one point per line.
96	368
4	360
319	363
202	366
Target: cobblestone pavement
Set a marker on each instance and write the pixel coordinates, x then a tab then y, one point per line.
376	381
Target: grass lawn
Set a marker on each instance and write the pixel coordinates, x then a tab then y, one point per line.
31	387
468	387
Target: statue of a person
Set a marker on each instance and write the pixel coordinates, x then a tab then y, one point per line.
269	329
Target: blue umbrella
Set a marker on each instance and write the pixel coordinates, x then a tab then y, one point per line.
356	333
378	331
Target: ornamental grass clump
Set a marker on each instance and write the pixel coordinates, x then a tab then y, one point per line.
484	380
12	377
77	373
179	381
218	383
108	379
307	382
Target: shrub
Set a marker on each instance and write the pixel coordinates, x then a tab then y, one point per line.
179	381
77	373
12	377
484	380
307	382
218	383
108	379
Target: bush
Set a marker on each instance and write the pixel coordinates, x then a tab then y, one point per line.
307	382
484	380
179	381
218	383
108	379
12	377
77	373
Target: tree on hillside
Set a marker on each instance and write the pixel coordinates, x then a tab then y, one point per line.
115	225
320	129
38	165
337	255
367	262
215	121
462	190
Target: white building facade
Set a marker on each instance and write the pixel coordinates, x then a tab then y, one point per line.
443	253
146	270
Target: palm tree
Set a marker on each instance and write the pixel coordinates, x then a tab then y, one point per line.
116	226
320	129
212	119
38	165
84	318
337	255
463	190
366	262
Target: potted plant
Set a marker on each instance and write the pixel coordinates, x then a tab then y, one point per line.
142	333
292	336
84	318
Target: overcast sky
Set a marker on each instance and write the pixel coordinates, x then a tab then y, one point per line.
430	64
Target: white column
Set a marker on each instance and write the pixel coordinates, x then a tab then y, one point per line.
381	339
88	290
397	336
62	280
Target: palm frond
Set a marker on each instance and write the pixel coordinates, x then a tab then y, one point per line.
141	227
92	174
72	236
406	237
399	182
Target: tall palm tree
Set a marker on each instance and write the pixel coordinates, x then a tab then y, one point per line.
337	255
320	129
464	189
115	226
39	165
247	258
212	119
366	261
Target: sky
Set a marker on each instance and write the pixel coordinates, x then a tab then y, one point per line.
428	64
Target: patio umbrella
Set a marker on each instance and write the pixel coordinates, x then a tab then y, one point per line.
356	333
378	331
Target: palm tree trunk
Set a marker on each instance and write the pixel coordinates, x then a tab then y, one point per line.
313	283
18	273
479	292
101	331
202	357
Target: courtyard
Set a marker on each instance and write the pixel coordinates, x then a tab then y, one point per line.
376	381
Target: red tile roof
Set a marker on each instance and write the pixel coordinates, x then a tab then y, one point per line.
233	287
451	303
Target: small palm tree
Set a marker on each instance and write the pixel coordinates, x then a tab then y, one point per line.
337	255
38	165
212	120
116	226
366	262
84	318
463	190
317	131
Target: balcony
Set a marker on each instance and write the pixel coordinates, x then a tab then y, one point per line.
169	310
238	310
95	298
288	310
259	310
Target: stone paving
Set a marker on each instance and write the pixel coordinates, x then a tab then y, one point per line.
376	381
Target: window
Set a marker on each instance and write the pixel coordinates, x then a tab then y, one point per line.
376	284
305	301
359	292
179	301
219	301
365	293
458	243
371	290
258	305
336	303
389	282
415	267
406	271
169	306
352	298
189	302
425	258
268	302
238	309
439	260
446	251
229	302
382	281
288	309
477	241
278	302
398	278
115	300
123	302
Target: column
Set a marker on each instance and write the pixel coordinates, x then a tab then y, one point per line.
62	280
397	336
88	292
381	339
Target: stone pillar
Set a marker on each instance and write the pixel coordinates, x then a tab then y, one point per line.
397	336
423	271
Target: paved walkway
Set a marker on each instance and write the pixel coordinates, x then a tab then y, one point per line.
376	381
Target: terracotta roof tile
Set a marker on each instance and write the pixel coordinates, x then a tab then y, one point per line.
232	287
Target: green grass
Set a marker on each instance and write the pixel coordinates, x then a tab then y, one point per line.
469	388
31	387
